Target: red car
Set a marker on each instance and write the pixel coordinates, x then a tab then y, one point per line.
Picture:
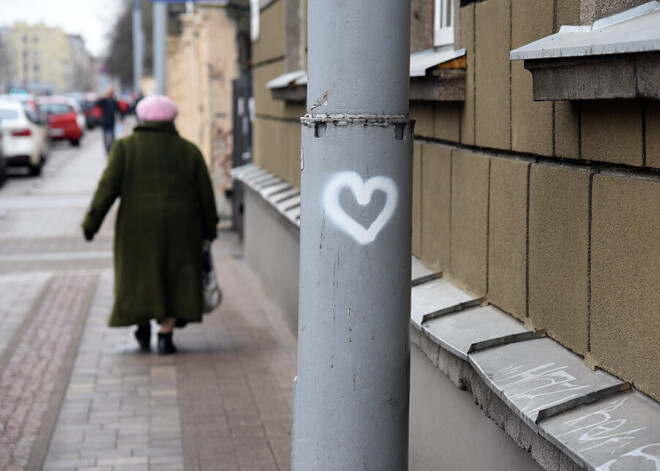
62	123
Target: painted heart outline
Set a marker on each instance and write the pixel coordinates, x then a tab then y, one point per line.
363	191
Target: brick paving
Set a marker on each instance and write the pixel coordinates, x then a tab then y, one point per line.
77	395
19	292
30	375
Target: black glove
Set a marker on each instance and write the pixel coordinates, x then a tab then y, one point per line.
89	235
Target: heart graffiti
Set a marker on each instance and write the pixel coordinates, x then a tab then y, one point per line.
363	192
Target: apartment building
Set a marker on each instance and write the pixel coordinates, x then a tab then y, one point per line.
40	58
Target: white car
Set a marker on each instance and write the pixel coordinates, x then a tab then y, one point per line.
24	137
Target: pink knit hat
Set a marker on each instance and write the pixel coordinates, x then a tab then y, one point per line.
156	108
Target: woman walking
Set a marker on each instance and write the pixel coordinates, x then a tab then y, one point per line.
166	212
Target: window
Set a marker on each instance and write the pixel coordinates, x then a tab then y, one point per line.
443	22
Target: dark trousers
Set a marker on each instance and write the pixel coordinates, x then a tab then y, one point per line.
108	138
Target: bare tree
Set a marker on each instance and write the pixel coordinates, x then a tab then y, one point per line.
119	61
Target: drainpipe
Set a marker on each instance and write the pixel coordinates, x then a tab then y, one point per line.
160	45
351	392
138	45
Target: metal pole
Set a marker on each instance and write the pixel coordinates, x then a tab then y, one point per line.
351	392
138	45
160	45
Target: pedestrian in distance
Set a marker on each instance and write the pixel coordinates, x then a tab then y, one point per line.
109	108
166	213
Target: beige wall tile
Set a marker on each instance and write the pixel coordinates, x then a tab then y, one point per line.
469	219
625	300
294	110
467	108
493	114
422	113
263	101
568	13
507	236
652	116
567	129
559	253
292	148
531	122
436	207
447	121
417	200
272	34
612	131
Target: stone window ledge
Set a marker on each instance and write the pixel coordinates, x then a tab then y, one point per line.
436	74
615	57
544	396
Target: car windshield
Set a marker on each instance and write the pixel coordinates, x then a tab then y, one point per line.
8	114
54	108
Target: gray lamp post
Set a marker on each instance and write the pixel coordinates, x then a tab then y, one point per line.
351	395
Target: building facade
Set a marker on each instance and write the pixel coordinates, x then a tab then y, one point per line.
44	60
80	70
535	196
201	64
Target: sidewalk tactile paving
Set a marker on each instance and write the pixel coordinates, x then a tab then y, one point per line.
31	373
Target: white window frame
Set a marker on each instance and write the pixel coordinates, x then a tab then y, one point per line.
443	24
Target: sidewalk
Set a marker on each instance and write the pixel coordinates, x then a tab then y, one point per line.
77	395
222	403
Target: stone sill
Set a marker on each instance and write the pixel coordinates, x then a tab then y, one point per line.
615	57
544	396
596	78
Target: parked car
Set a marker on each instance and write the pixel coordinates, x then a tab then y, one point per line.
62	119
24	136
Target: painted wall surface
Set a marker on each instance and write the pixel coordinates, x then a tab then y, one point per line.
508	197
201	66
272	252
39	58
448	432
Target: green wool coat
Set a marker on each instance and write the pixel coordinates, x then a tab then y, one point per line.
166	211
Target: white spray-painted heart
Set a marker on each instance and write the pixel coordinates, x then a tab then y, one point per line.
363	192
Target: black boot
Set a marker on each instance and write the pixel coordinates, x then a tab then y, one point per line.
143	336
165	344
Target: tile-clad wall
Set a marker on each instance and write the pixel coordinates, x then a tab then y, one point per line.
573	249
546	209
276	138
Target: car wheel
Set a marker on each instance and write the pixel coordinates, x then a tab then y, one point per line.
75	142
35	170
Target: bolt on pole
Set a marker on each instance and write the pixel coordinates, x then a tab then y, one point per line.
351	392
160	45
138	45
